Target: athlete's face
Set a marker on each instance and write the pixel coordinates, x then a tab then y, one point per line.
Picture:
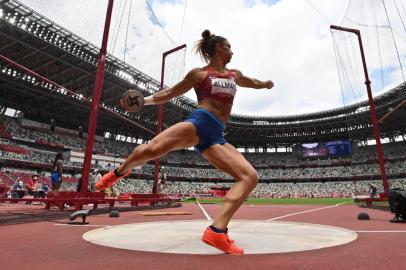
225	51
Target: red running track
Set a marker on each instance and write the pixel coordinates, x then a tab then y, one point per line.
44	245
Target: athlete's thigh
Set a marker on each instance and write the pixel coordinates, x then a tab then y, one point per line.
227	158
178	136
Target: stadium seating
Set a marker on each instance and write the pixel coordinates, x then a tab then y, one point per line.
281	174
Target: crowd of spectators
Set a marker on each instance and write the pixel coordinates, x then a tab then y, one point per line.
266	190
395	167
353	169
189	166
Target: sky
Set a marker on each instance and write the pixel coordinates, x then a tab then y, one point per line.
286	41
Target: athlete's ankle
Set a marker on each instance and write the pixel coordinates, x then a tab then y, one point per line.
117	173
218	230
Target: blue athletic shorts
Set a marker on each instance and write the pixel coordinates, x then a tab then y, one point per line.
208	127
55	177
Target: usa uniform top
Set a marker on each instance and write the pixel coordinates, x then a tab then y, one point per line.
216	85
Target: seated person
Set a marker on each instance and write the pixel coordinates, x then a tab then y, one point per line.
41	193
45	188
372	191
94	179
34	188
18	189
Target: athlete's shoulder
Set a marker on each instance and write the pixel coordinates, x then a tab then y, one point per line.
197	71
197	74
236	71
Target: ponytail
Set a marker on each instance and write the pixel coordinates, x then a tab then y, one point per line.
207	45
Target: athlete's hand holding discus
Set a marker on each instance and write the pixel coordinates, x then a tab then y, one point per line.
150	99
134	101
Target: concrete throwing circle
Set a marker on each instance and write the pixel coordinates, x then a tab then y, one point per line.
255	237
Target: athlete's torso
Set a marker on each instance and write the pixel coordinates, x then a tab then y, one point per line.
216	92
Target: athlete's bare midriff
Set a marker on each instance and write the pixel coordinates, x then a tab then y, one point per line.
218	108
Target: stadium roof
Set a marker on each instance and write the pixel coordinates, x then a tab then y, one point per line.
35	42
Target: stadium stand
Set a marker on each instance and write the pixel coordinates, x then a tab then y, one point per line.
281	174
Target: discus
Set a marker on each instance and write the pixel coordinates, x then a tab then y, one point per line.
132	101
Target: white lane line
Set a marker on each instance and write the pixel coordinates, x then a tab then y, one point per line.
381	231
79	225
307	211
204	211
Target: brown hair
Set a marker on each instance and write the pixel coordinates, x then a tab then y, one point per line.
206	46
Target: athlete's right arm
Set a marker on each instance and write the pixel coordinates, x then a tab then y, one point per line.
191	79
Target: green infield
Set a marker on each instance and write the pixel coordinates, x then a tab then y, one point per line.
310	201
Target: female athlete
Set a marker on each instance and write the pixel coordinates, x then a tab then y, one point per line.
215	87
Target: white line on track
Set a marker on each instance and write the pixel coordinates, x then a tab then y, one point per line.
204	211
79	225
307	211
381	231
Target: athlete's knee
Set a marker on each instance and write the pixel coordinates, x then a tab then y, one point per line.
251	178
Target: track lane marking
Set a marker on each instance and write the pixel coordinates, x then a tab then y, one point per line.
306	211
204	211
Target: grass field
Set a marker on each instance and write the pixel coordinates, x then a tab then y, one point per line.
309	201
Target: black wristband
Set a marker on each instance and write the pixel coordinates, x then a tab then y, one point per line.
116	173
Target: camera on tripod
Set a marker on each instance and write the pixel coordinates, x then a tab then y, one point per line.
397	204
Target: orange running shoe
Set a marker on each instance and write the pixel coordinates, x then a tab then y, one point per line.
221	241
108	180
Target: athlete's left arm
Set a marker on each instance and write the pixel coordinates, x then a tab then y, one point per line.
245	81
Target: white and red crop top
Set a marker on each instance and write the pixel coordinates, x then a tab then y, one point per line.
219	86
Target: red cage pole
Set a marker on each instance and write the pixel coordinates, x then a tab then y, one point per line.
375	124
161	112
94	108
